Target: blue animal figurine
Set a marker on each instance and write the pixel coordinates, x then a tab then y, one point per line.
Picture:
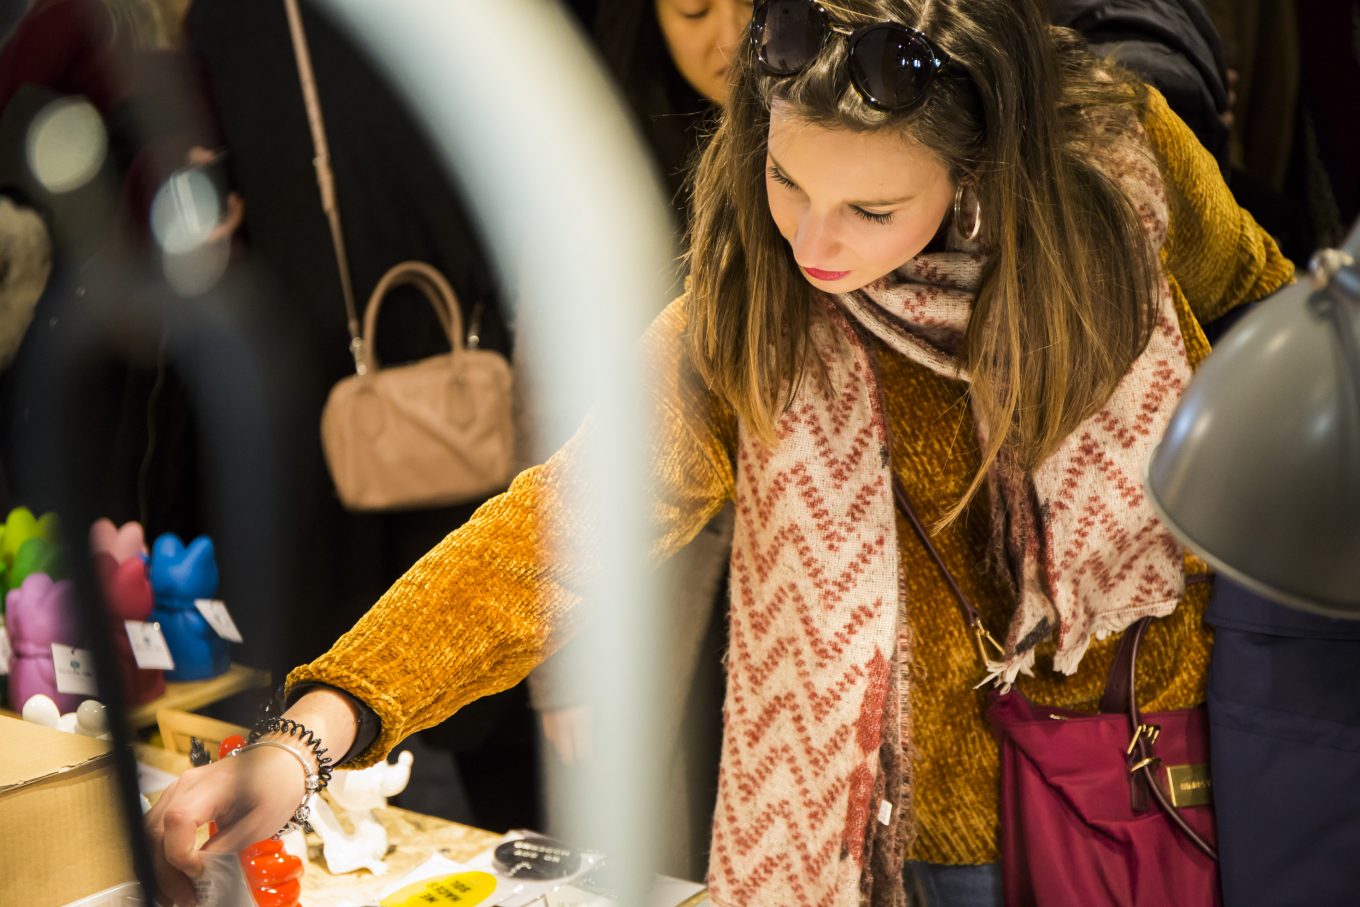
179	577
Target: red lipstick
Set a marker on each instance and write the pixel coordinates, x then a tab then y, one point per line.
828	276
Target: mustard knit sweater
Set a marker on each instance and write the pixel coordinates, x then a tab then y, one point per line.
490	602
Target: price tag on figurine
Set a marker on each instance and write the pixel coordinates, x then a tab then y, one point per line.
149	648
6	653
215	612
75	670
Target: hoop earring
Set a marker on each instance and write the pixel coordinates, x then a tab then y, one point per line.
958	215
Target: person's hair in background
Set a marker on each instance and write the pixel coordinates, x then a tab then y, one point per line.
1059	317
668	59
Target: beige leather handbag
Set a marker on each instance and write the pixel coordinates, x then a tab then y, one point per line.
426	434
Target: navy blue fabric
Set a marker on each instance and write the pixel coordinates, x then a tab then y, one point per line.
940	885
1284	726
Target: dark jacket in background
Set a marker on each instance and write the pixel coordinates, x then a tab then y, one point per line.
1284	715
1171	44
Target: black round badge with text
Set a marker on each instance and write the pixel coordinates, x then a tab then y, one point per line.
536	858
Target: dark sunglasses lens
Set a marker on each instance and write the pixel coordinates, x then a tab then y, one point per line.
891	66
789	35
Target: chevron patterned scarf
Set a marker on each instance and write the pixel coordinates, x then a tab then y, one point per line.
813	797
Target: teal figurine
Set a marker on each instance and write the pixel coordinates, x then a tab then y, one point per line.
181	575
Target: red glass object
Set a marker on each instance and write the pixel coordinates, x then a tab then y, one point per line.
230	745
273	874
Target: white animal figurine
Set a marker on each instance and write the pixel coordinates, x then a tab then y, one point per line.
90	719
40	709
358	794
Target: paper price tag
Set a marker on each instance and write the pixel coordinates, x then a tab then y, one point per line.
222	882
6	653
149	648
75	670
215	613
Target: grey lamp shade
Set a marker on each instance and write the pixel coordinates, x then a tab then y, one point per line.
1259	471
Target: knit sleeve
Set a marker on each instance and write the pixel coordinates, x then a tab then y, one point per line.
494	598
1217	253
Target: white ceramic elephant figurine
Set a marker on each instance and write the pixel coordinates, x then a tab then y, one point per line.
367	789
358	793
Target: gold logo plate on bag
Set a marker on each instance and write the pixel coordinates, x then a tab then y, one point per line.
1189	785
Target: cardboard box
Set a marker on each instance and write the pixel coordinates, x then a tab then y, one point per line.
61	830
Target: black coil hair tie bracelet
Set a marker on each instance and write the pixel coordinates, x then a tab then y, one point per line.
287	727
313	782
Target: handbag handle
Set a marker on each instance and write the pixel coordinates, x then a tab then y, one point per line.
1121	696
437	290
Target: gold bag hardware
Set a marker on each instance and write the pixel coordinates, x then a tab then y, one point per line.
1189	785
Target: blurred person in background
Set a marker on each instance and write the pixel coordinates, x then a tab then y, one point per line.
1295	139
122	58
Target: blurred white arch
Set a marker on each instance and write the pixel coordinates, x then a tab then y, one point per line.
535	136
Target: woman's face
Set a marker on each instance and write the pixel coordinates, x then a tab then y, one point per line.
852	206
703	36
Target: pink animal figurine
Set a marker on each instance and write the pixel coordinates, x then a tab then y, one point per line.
127	592
39	613
123	543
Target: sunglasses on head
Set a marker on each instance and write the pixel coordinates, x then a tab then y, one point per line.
891	65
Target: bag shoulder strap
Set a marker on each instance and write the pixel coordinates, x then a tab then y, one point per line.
1120	686
971	615
325	177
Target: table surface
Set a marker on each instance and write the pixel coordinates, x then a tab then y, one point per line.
412	839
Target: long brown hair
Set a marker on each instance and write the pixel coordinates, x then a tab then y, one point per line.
1065	304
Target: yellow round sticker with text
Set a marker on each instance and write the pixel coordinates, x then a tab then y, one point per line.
461	888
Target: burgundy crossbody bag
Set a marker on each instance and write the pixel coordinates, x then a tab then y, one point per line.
1105	808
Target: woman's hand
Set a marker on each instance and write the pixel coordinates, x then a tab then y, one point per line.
250	797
